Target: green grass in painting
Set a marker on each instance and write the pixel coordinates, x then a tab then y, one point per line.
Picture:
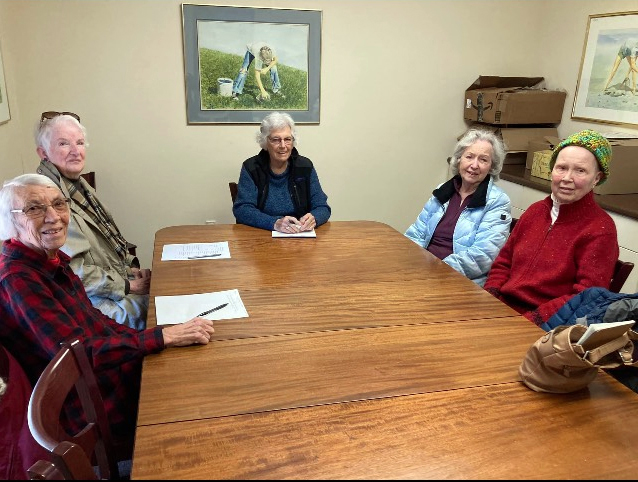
215	64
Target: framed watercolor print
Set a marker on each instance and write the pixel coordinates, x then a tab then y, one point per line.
243	62
4	100
606	91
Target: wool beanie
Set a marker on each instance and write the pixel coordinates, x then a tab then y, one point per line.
594	142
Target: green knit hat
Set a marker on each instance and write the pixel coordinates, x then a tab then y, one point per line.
594	142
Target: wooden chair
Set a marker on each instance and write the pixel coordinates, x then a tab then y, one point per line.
69	463
44	470
90	178
233	190
68	369
621	273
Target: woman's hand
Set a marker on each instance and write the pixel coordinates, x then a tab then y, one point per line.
288	224
141	284
197	331
308	222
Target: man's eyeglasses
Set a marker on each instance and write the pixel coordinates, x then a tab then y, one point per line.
277	140
51	114
34	211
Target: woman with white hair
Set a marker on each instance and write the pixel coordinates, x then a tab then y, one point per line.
278	189
113	278
466	221
43	304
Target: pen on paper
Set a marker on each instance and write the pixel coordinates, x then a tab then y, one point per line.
214	309
205	256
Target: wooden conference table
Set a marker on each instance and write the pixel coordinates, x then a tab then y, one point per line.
363	357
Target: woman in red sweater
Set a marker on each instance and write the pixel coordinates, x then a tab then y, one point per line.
563	243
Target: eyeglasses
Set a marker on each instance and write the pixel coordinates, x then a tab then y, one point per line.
35	211
277	140
51	114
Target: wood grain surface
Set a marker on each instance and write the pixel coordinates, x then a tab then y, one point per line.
363	357
501	431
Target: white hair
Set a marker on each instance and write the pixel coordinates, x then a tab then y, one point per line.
9	197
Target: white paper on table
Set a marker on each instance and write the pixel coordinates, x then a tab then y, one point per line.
171	310
301	234
175	252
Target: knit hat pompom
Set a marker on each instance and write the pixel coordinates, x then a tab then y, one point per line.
594	142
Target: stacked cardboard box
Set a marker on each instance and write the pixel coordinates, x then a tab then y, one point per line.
517	109
623	175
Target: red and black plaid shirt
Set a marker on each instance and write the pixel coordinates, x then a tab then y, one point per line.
43	303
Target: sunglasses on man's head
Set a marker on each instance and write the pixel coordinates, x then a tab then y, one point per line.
51	114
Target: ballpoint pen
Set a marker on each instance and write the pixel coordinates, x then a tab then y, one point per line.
214	309
205	256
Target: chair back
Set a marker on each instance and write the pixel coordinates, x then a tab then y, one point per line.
44	470
233	191
68	369
621	273
90	178
69	463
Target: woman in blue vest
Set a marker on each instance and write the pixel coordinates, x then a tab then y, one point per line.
278	189
466	221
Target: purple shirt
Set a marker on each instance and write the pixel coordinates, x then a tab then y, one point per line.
441	242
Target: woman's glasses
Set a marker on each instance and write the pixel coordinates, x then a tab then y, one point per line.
34	211
278	140
51	114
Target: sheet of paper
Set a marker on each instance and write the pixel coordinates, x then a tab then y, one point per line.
176	252
171	310
303	234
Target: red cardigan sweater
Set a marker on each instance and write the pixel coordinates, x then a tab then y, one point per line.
542	266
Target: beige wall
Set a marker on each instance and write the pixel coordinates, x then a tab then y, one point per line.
393	75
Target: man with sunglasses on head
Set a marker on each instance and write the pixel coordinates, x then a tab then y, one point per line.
278	189
99	253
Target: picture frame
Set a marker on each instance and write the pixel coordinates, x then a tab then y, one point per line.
607	90
5	115
284	44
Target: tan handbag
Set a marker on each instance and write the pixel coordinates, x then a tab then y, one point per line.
555	363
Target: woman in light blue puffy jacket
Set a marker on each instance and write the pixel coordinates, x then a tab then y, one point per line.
466	221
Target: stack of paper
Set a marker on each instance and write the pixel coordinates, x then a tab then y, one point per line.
301	234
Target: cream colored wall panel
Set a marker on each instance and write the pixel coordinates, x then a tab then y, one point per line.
515	193
627	231
631	285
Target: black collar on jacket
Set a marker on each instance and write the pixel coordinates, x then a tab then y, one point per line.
447	189
264	159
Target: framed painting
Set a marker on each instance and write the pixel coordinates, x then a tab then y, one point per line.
4	101
606	91
242	62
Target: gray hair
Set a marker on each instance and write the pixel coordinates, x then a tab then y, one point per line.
472	136
273	122
9	196
44	130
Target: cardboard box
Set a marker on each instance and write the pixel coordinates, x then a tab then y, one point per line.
513	100
517	139
539	144
623	175
540	165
